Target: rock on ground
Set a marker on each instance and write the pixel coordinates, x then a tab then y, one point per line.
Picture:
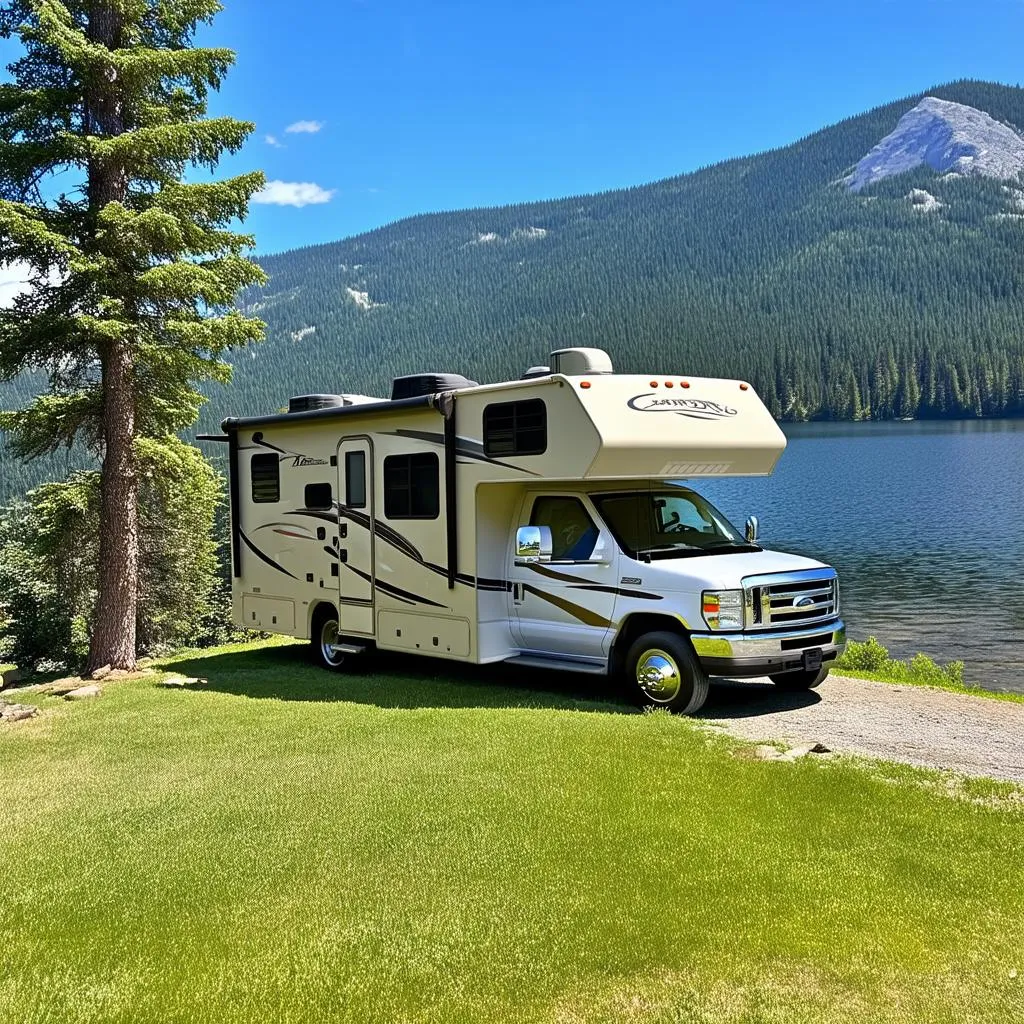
914	724
16	712
83	692
10	677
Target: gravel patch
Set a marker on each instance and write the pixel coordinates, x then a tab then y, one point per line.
913	724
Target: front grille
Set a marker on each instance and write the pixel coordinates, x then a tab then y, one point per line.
791	600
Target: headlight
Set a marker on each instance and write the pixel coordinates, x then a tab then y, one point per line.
723	609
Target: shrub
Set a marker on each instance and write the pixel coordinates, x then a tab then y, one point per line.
866	656
871	656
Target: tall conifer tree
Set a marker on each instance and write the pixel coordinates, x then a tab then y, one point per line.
132	271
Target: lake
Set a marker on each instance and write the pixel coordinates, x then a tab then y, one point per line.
923	520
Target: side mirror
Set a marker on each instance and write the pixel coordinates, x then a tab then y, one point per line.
751	530
533	544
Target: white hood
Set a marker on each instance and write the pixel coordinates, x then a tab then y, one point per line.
717	572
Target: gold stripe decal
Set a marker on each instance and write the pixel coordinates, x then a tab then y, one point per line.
577	611
552	573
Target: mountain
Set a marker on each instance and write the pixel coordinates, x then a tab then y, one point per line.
944	136
903	296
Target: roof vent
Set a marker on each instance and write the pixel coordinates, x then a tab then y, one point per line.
536	371
306	403
575	361
417	384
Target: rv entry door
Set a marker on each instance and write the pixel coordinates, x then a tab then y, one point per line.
355	543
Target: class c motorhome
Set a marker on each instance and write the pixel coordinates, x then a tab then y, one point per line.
549	521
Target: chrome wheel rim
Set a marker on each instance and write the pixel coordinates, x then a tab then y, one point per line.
658	676
328	638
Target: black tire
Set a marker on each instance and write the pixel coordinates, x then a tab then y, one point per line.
800	680
683	683
324	633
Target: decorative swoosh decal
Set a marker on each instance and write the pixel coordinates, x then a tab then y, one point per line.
578	584
288	529
402	595
577	611
265	557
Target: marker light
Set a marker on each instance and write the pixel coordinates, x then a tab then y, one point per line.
668	384
743	387
584	383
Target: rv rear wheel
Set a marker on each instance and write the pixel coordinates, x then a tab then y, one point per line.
801	680
664	673
324	637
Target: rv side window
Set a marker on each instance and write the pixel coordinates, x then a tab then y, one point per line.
355	479
516	428
573	533
411	486
319	497
265	474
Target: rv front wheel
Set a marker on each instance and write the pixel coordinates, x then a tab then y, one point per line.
324	639
664	673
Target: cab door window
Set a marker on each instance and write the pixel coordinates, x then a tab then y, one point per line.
573	533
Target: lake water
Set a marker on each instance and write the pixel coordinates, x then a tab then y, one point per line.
923	520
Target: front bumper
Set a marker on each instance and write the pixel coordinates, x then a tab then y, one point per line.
767	653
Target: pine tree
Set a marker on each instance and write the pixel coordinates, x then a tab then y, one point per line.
133	272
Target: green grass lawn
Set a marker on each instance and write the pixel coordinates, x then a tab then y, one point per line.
416	843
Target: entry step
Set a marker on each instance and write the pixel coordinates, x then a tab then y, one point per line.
348	648
595	668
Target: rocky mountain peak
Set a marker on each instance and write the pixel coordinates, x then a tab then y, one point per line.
948	137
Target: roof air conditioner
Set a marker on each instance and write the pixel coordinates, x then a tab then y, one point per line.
575	361
417	384
306	403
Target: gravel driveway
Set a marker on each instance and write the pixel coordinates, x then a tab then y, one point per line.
914	724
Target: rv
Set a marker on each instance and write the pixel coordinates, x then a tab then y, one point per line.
547	522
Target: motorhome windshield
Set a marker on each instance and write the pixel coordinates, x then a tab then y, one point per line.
669	524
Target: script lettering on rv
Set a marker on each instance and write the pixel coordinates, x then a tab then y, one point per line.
305	460
695	408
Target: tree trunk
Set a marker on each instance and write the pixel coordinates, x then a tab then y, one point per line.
113	634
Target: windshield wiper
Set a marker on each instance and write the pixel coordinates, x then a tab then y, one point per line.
733	545
665	547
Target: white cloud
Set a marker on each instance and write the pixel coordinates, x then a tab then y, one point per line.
271	140
292	193
16	278
305	127
13	281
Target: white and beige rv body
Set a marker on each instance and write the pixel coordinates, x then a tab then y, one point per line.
545	521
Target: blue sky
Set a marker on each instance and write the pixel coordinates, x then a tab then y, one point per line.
433	105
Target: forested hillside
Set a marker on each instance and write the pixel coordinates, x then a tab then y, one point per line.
834	304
